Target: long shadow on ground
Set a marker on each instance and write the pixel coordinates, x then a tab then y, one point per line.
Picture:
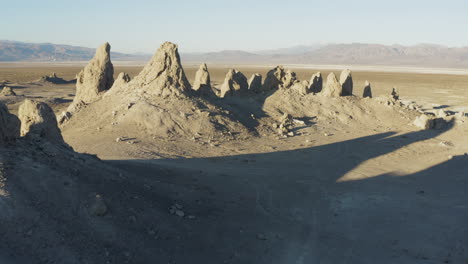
287	207
281	207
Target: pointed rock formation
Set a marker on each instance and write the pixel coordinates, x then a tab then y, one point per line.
38	121
367	90
9	125
202	82
234	84
96	78
394	94
7	91
316	83
163	75
121	79
346	81
255	83
278	78
301	87
332	87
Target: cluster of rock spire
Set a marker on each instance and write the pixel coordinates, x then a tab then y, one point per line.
164	76
235	83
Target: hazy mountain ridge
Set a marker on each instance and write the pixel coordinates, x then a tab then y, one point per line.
365	54
22	51
422	55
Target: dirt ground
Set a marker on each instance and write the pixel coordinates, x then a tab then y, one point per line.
374	191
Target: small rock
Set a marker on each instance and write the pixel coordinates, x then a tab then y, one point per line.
99	207
297	121
423	122
179	213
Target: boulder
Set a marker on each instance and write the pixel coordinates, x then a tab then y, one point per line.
202	83
234	84
424	122
316	83
332	87
278	78
163	75
96	78
346	81
38	121
367	90
7	91
9	125
286	125
301	87
122	79
255	83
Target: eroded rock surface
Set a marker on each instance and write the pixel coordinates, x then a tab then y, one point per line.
96	78
255	83
316	83
38	121
367	90
278	78
234	84
332	87
202	82
346	81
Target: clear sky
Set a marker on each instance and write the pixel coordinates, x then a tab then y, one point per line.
212	25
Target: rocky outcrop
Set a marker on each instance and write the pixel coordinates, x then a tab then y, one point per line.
423	122
38	121
394	94
202	82
289	79
316	83
301	87
122	79
367	90
7	91
163	75
9	125
278	78
332	87
234	84
346	81
255	83
96	78
53	78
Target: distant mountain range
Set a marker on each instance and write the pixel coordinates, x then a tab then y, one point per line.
423	55
21	51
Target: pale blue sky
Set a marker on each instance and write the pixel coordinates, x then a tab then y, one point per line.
209	25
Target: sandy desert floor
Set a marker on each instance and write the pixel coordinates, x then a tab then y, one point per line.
330	194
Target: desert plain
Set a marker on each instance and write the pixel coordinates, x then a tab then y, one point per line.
352	181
